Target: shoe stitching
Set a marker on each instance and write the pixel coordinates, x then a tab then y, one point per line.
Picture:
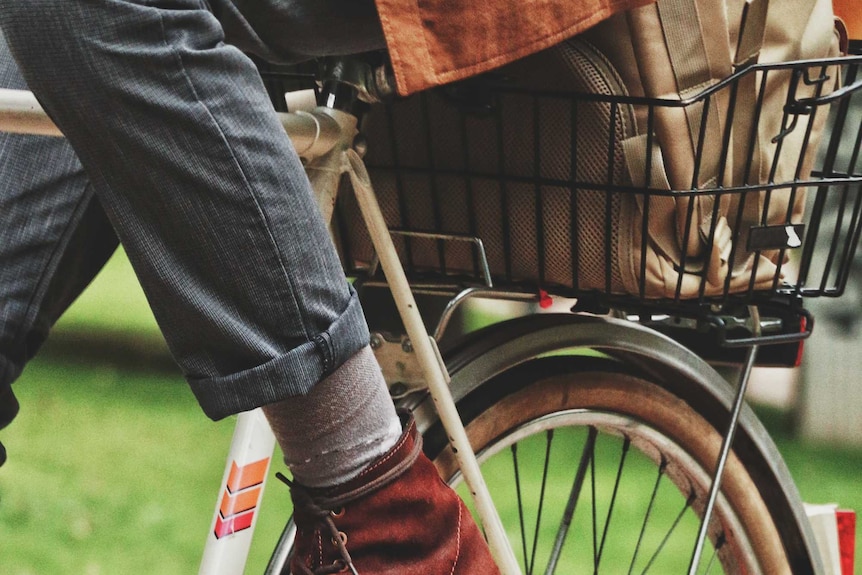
458	538
388	456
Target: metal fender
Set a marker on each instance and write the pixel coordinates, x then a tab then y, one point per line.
488	353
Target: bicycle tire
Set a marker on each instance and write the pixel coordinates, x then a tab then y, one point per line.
559	394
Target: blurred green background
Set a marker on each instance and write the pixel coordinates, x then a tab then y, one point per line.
114	469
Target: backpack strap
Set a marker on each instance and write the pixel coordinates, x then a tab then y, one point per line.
696	37
747	163
682	48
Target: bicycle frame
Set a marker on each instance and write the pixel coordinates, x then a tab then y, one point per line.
324	139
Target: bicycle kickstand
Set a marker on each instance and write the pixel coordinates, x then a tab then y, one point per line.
726	445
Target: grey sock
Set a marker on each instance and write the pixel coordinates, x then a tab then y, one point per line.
347	421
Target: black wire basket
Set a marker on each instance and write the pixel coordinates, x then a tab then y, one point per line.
536	177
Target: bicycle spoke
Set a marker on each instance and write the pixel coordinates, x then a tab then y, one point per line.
571	504
661	469
594	498
625	451
673	527
514	451
712	560
549	438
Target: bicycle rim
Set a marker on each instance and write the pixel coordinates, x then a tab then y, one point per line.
607	473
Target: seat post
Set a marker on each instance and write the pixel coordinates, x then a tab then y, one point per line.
350	82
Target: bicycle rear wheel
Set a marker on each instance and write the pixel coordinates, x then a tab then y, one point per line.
597	470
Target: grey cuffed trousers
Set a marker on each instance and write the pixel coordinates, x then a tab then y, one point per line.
172	147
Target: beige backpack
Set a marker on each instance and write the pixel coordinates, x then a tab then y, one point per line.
677	49
553	184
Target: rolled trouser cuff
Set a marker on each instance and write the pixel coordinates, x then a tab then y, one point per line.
292	373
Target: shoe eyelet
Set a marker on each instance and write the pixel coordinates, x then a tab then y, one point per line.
342	566
337	514
342	536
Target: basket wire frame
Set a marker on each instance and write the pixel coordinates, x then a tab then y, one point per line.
505	164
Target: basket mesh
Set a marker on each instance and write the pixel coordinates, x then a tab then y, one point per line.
531	162
502	173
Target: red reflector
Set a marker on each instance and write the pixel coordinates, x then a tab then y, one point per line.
545	300
846	539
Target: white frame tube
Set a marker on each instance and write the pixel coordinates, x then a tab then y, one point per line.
21	113
241	492
436	375
312	133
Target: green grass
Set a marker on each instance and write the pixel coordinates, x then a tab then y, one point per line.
115	470
114	302
97	480
112	472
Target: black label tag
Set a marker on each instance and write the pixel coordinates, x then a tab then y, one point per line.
785	236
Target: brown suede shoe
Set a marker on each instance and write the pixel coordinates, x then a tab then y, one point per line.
396	518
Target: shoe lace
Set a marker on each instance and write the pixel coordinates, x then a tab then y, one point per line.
303	501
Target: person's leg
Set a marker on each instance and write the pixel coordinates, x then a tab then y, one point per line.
215	214
203	187
54	238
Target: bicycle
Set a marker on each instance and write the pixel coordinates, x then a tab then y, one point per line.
609	376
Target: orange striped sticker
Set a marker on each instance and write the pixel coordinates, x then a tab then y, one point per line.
233	503
241	497
231	525
247	475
